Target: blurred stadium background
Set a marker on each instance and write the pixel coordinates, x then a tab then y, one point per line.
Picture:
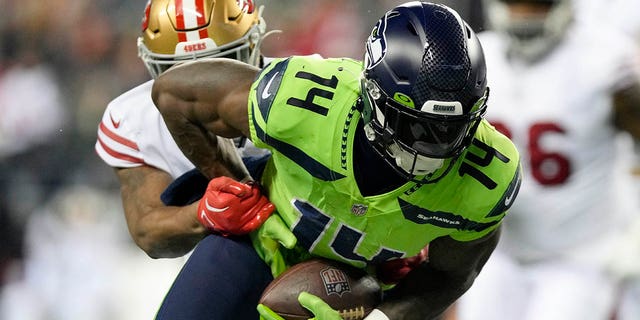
65	252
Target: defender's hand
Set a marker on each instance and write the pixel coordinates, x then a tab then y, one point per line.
320	309
232	207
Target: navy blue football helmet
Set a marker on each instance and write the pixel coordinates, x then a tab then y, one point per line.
424	85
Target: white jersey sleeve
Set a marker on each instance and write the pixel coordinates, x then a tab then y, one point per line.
132	133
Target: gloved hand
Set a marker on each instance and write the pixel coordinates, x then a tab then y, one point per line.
320	309
268	239
392	271
275	229
232	207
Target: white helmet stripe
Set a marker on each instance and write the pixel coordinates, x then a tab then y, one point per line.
190	15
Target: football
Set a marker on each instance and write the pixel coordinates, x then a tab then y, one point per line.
347	289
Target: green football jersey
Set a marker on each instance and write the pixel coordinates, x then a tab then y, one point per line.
304	109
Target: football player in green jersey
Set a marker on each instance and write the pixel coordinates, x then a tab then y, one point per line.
372	161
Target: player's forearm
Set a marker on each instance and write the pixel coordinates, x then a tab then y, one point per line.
425	294
161	231
429	289
168	232
195	142
178	105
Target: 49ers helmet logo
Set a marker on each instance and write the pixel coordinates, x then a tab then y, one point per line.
247	6
145	17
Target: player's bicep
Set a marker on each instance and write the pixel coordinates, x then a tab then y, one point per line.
232	111
211	94
177	106
457	257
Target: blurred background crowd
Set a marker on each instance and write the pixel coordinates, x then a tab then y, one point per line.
64	248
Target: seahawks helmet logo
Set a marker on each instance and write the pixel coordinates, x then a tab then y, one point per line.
376	44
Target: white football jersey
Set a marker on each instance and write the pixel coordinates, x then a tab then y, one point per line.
621	14
558	112
132	133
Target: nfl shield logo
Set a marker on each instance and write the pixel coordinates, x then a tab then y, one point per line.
359	209
335	281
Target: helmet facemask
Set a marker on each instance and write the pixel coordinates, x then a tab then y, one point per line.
417	141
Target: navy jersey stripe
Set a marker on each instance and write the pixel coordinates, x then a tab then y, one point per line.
441	218
313	167
509	195
268	87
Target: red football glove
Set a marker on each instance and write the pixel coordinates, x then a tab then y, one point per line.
232	207
392	271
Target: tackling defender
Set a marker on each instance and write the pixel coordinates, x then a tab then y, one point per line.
160	187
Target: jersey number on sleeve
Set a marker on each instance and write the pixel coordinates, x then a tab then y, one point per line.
308	102
483	161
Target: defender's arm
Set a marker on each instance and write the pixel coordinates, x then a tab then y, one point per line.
201	100
161	231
